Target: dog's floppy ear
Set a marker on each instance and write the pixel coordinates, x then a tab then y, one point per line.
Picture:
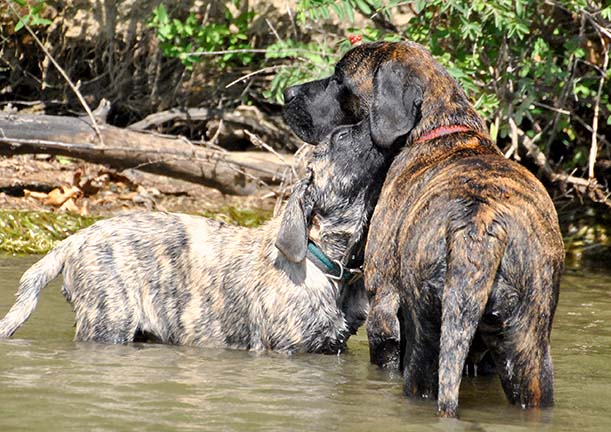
396	104
292	238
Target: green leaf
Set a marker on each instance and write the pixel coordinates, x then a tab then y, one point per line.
494	131
22	22
161	13
363	6
338	11
350	13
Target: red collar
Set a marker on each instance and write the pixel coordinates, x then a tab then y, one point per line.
441	131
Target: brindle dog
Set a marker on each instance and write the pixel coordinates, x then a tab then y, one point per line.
464	249
189	280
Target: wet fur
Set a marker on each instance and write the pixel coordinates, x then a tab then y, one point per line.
189	280
464	254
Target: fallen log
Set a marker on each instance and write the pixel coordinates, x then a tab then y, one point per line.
242	118
236	173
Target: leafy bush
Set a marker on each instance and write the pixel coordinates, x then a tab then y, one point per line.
32	17
185	39
534	69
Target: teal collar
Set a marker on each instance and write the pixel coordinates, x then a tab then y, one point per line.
332	269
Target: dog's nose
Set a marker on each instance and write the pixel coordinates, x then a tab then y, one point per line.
290	93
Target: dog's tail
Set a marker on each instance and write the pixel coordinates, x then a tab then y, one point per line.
474	255
30	285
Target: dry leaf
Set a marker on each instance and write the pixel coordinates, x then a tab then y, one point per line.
59	196
34	194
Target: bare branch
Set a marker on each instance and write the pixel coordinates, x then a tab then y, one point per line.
238	173
590	187
594	144
62	73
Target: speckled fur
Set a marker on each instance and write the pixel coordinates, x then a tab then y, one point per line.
189	280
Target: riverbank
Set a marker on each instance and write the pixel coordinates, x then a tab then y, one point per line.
43	200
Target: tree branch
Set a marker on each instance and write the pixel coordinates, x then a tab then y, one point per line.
238	173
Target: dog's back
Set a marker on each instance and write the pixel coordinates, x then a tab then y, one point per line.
186	280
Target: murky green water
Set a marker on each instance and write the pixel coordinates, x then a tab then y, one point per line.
49	383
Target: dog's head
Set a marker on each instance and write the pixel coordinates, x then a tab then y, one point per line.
354	117
380	83
333	203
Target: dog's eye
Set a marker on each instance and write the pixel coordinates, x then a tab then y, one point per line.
342	135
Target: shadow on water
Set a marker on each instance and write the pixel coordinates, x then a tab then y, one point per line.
49	382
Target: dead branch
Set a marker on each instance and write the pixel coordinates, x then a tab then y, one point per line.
242	118
238	173
594	143
591	188
62	73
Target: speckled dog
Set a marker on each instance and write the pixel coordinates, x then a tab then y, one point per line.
182	279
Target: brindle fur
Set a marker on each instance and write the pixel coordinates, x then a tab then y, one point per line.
464	248
189	280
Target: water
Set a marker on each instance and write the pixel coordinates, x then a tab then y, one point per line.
48	382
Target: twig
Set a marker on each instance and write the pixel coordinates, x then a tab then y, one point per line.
271	27
594	144
595	191
76	91
291	19
587	127
513	150
284	185
260	143
551	108
247	50
212	141
171	114
263	70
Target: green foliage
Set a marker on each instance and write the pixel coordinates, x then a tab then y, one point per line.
312	61
515	58
519	59
343	9
524	60
37	232
184	39
32	18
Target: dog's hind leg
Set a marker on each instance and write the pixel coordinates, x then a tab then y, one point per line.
104	310
383	329
475	252
97	327
420	337
522	350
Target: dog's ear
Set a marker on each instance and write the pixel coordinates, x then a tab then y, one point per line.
292	238
395	109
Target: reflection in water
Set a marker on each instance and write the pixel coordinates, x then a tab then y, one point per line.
48	382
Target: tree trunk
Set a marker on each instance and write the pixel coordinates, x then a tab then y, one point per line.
237	173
